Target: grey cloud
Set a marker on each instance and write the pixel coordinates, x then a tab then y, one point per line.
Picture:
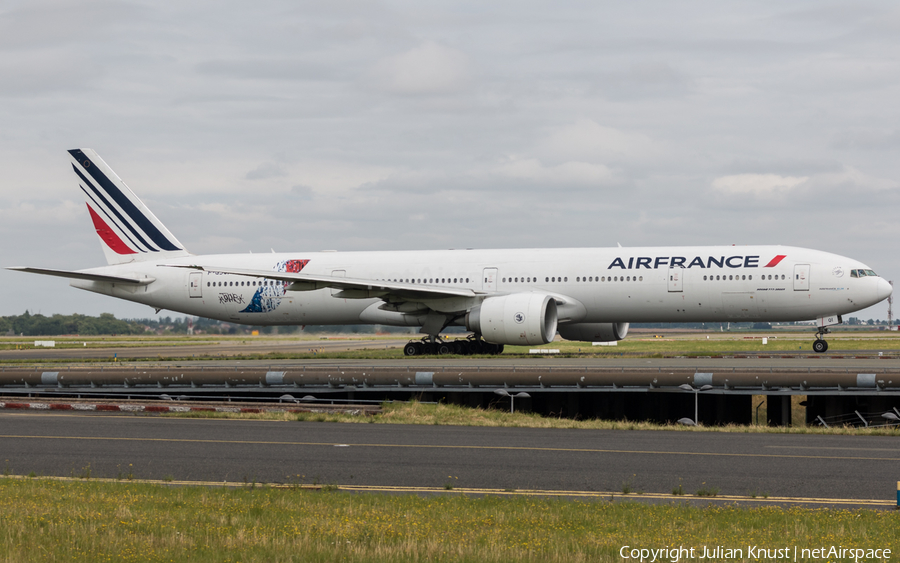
644	80
50	23
782	166
302	192
267	69
265	171
246	106
868	139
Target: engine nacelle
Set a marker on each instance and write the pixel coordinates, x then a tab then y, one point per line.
594	332
520	318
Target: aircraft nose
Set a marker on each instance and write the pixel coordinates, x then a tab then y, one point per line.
884	289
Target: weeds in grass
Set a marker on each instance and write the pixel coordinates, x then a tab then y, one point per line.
414	412
83	521
85	472
628	485
707	491
679	490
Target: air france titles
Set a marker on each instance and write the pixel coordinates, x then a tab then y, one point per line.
651	263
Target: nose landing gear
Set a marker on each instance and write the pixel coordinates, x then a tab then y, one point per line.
820	346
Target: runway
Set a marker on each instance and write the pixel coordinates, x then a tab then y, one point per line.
506	459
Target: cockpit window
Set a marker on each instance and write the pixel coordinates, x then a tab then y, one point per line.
862	273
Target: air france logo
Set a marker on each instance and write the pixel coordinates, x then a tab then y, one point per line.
519	318
654	263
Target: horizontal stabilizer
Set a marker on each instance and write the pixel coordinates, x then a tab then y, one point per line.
84	276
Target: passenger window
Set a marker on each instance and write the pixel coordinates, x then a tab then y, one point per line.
566	278
641	278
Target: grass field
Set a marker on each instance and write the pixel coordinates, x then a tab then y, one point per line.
638	344
47	520
443	414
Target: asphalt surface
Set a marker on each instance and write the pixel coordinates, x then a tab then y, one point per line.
206	349
377	455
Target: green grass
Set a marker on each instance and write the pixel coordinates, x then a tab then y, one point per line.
46	520
640	344
455	415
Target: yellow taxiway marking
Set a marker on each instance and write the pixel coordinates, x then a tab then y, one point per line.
434	446
470	491
894	450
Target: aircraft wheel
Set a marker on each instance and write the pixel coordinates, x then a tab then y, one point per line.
499	349
443	349
410	349
820	346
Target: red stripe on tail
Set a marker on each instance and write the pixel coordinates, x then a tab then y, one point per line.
111	239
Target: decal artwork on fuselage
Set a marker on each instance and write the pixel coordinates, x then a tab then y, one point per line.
650	263
268	297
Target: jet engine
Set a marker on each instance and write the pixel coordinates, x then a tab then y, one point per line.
520	318
594	332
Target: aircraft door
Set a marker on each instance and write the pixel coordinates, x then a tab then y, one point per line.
338	274
195	280
801	277
676	280
490	279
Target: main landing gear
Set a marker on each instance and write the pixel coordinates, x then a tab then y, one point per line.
435	345
820	345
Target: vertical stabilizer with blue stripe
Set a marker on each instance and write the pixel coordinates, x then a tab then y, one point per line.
128	230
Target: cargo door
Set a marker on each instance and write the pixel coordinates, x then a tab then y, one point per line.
801	277
490	279
676	280
740	304
195	279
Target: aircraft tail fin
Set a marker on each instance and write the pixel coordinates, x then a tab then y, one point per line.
128	230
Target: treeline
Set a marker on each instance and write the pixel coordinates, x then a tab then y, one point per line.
40	325
107	325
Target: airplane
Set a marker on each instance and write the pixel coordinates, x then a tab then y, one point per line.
504	297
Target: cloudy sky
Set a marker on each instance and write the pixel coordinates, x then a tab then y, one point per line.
347	125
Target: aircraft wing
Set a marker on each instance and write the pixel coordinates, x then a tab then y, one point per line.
349	288
84	275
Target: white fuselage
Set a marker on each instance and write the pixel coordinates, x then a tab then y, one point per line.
598	285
